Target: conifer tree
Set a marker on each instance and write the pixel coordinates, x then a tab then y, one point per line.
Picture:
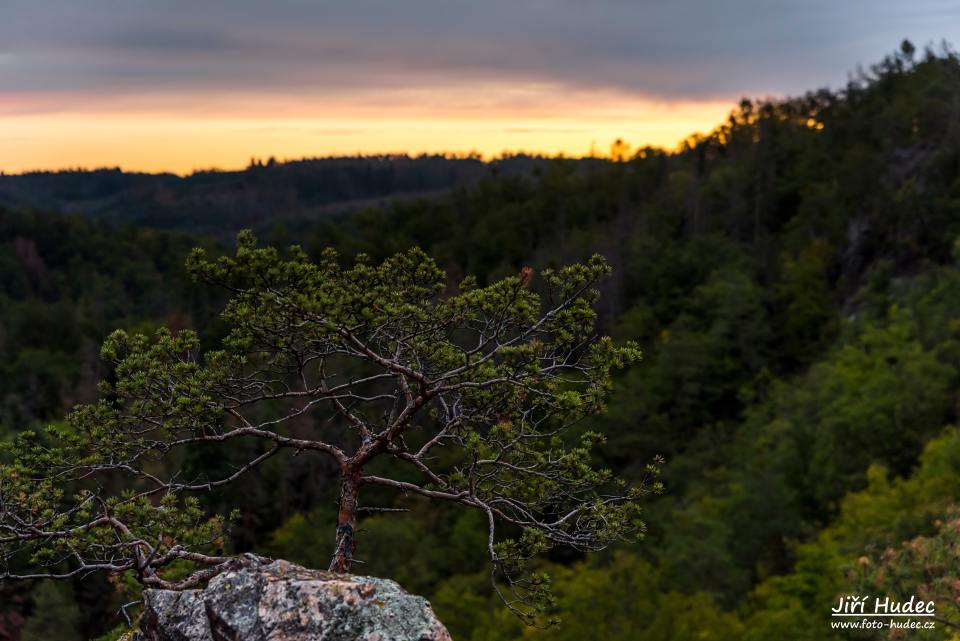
474	392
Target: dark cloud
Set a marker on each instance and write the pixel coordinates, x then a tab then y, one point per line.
667	49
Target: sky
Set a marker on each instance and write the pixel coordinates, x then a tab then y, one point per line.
179	85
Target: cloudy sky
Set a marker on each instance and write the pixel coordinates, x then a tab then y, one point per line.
185	84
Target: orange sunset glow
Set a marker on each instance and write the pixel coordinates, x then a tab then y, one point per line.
141	137
180	85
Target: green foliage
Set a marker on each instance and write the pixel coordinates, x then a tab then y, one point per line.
116	634
55	617
621	598
415	548
878	399
923	568
807	318
474	391
870	523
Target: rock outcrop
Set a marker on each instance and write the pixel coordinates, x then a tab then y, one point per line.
285	602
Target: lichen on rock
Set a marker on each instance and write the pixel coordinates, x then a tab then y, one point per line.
281	601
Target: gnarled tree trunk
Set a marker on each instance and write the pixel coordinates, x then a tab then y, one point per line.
346	541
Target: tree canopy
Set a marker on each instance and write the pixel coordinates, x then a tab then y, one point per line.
474	393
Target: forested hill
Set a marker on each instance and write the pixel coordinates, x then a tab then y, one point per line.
794	281
264	195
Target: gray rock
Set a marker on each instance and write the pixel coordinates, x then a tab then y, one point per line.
286	602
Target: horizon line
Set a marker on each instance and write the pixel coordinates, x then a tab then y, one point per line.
388	155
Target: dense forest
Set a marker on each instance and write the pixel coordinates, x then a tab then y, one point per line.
265	196
793	278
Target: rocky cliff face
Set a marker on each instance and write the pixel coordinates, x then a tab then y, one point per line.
285	602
